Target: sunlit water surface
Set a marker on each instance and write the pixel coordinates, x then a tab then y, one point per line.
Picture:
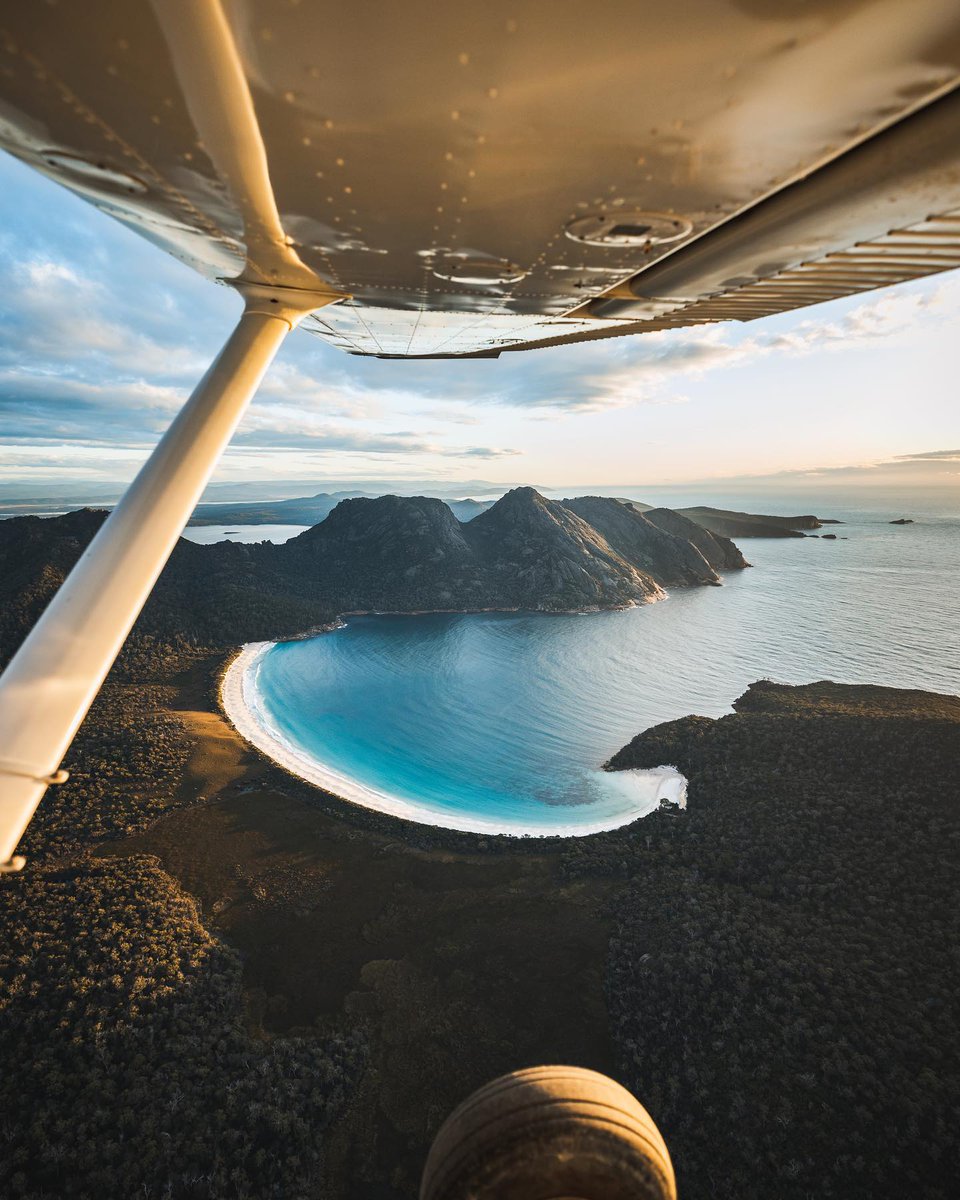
206	535
509	716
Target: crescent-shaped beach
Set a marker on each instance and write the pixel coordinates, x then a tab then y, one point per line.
241	702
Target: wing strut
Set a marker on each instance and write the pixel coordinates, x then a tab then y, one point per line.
52	680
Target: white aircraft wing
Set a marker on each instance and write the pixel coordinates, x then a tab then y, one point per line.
490	177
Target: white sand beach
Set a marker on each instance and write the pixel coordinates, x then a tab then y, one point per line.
239	698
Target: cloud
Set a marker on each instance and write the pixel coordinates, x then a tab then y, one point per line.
930	456
328	390
60	318
653	368
932	468
267	430
449	415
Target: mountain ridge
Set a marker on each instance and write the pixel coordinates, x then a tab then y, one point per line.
310	510
674	560
523	552
383	554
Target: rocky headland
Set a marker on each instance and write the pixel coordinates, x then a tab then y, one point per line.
728	523
310	510
390	553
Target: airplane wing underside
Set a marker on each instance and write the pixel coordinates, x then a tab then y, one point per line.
492	177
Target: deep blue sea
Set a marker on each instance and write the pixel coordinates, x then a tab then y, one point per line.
510	715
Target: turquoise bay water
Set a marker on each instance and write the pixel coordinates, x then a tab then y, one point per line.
510	715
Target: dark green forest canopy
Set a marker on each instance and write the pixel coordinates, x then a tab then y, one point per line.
784	975
135	1073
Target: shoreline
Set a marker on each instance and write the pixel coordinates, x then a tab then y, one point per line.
238	701
341	619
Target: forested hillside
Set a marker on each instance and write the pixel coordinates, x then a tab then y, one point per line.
136	1073
784	976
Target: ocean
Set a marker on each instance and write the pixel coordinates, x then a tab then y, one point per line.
508	717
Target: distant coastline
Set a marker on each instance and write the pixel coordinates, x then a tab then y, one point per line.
240	702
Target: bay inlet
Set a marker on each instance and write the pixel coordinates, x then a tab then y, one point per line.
501	722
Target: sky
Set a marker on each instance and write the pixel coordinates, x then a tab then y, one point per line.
102	337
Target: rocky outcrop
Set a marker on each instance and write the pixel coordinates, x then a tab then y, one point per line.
671	560
719	551
303	510
394	552
423	529
402	553
545	555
